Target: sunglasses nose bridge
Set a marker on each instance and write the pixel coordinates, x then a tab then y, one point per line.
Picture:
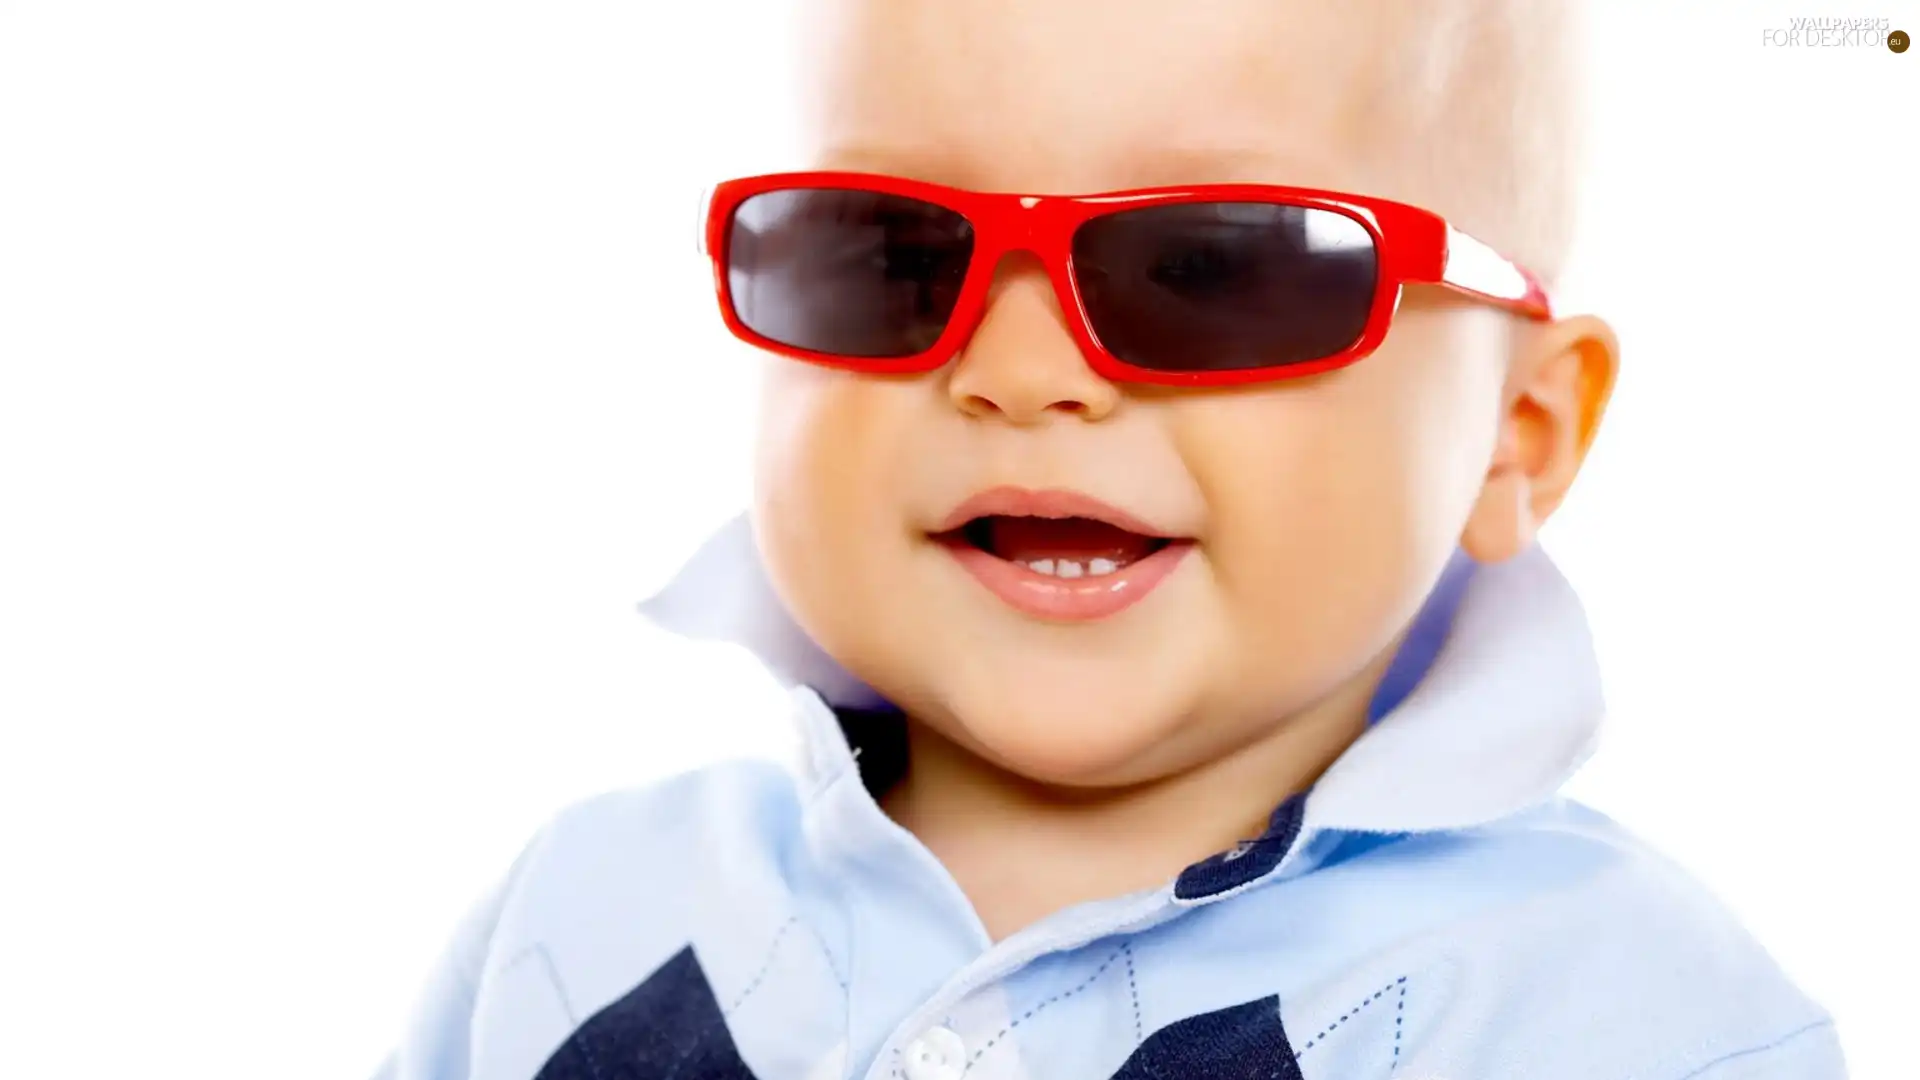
1028	223
1040	227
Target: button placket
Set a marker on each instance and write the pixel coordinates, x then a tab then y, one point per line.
973	1001
938	1054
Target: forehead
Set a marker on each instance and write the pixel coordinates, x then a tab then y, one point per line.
1089	95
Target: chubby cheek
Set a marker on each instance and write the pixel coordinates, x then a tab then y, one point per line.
826	500
799	467
1332	515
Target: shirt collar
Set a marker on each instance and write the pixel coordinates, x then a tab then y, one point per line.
1508	709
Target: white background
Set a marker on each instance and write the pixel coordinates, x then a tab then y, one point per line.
357	376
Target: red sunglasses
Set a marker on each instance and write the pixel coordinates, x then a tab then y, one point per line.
1207	285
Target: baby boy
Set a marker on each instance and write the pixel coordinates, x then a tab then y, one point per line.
1162	401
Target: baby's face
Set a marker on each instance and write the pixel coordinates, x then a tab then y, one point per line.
1320	511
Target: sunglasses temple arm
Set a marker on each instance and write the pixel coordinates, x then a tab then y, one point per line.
1478	270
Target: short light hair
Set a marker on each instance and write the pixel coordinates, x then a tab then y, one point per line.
1491	103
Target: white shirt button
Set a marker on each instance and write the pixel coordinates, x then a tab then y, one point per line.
937	1055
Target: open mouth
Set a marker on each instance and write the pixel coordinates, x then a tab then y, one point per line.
1058	555
1063	547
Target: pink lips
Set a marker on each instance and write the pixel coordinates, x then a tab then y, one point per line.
1045	596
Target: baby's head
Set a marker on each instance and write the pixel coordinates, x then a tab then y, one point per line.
1297	524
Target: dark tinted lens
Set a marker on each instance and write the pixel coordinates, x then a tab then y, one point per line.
851	273
1223	286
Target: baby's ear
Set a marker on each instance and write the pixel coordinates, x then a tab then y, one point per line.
1556	394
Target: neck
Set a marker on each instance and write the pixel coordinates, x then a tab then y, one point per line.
1022	851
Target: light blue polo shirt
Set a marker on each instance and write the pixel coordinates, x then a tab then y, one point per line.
1431	909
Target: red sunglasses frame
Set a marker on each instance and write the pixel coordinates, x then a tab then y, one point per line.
1412	246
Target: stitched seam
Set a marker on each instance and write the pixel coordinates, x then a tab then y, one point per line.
826	954
538	951
1355	1011
1399	1025
687	1054
1762	1049
766	965
559	988
1133	989
991	1043
679	1063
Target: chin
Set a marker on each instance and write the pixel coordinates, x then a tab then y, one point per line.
1063	732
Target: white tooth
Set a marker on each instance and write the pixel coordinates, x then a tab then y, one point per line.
1041	566
1070	569
1099	567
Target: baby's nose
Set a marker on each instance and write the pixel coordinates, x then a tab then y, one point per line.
1022	362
